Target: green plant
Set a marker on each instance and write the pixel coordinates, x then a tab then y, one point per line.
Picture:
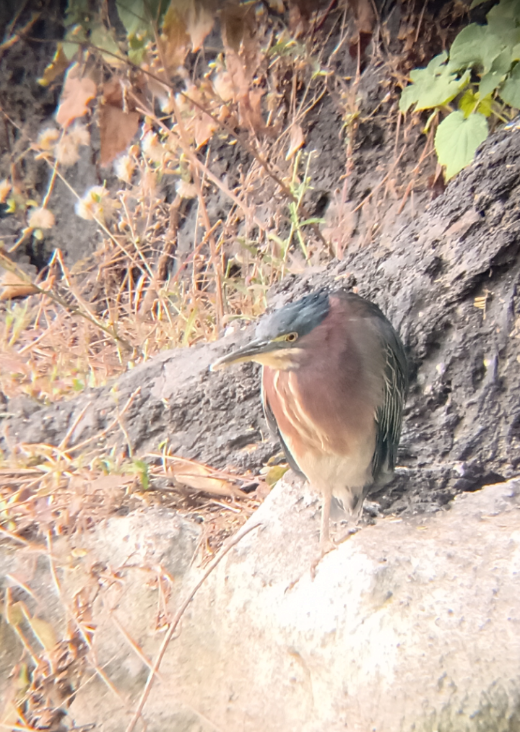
480	77
84	27
299	186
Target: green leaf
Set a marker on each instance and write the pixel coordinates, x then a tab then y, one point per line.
132	14
430	119
409	95
77	11
138	15
141	469
486	105
489	83
499	68
475	47
275	473
102	38
510	92
502	22
437	61
421	79
506	10
457	140
469	102
74	37
432	86
137	47
313	220
441	90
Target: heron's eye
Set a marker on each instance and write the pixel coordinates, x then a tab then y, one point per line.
291	337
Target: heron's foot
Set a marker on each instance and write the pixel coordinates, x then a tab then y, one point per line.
351	530
326	546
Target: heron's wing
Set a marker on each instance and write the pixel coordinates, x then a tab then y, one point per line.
273	429
389	416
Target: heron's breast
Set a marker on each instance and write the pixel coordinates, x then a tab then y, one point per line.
316	416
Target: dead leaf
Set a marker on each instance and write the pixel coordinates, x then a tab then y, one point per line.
305	7
43	631
174	38
245	42
242	62
117	129
248	99
118	120
111	482
113	94
236	71
297	140
299	15
203	128
254	109
56	67
13	286
13	365
275	474
234	21
200	477
199	23
364	15
223	85
77	92
5	189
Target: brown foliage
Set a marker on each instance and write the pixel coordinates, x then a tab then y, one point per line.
77	92
118	121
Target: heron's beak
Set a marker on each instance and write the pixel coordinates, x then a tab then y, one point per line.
252	352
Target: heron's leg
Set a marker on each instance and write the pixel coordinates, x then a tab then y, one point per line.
325	541
352	526
326	544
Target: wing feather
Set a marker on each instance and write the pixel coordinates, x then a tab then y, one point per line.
275	432
389	416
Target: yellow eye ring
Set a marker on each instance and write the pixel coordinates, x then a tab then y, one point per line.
291	337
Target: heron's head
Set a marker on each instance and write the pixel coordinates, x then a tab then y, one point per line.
279	340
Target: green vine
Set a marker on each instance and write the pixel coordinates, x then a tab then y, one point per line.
476	83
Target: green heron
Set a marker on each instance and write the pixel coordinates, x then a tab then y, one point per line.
334	383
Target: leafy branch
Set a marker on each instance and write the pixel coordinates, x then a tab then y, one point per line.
480	76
